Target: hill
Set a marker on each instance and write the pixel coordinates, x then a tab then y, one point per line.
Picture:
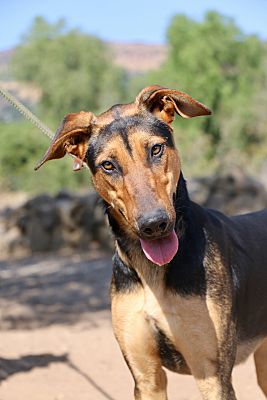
135	58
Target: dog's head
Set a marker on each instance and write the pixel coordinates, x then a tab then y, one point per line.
135	165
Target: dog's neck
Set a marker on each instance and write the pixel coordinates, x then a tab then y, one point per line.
185	273
182	205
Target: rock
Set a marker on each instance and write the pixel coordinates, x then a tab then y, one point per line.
234	193
77	222
46	223
40	222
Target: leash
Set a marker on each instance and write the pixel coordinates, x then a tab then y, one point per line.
30	116
26	112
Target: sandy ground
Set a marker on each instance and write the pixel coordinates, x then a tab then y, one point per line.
56	341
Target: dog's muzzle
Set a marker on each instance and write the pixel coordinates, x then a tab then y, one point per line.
158	239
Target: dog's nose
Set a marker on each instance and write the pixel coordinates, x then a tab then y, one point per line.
153	224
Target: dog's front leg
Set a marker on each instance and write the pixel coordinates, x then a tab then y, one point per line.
211	361
138	346
213	369
212	386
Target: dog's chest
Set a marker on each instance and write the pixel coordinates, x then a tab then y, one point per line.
180	326
183	321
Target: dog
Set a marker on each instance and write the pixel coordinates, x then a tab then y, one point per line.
189	284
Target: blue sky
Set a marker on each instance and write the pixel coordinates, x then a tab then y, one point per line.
125	20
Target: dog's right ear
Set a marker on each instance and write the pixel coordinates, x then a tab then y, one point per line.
72	136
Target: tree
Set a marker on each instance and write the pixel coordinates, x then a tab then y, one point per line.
216	63
73	70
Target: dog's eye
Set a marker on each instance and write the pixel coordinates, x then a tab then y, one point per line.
156	150
108	166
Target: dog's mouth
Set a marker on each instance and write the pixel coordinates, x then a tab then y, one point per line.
161	251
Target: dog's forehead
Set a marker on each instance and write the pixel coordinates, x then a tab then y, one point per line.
117	111
142	125
115	129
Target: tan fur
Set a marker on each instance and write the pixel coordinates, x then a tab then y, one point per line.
138	346
158	184
260	357
219	303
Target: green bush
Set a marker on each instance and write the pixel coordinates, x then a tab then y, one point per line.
215	62
74	71
22	145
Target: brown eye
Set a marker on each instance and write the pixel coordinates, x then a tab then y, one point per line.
108	166
156	150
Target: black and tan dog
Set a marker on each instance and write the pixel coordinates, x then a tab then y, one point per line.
189	287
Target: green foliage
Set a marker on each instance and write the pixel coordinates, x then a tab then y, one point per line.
212	60
21	147
74	71
216	63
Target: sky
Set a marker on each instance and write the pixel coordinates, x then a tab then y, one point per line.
142	21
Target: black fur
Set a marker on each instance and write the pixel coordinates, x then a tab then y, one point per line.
185	273
241	241
124	278
246	239
170	357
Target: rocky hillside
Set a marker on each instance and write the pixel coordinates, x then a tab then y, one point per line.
133	57
137	58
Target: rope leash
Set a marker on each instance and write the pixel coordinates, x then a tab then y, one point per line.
26	112
30	116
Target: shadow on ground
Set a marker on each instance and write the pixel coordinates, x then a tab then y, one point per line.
11	366
41	291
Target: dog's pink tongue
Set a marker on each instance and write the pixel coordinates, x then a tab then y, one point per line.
161	251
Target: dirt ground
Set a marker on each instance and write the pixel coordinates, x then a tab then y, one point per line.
56	341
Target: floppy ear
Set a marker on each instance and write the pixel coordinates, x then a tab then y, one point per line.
164	102
71	137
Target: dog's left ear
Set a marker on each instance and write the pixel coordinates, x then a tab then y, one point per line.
164	102
72	137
